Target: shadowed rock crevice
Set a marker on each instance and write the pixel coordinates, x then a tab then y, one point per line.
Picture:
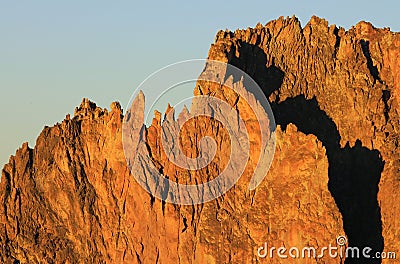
371	67
385	97
337	42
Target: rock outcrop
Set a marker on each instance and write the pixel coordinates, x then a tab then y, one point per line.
336	171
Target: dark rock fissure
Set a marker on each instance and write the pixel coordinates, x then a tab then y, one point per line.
385	97
371	67
185	225
337	43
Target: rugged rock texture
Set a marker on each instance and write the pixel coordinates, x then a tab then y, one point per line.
353	77
336	169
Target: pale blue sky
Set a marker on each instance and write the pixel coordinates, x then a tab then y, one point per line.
54	53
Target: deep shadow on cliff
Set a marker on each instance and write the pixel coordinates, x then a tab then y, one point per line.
354	172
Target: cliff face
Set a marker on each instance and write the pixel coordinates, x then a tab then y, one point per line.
340	86
334	93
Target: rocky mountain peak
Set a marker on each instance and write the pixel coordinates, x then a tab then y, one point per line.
334	94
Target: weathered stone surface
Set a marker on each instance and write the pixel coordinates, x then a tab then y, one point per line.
352	75
335	96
